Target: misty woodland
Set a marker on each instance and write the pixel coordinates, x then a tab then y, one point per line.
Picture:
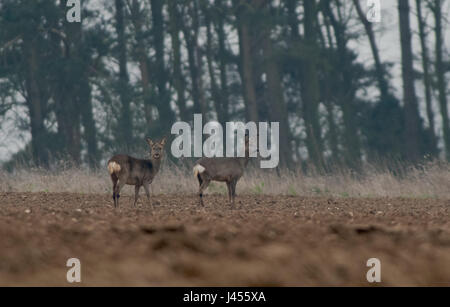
131	68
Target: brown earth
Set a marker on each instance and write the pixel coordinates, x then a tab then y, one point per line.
265	241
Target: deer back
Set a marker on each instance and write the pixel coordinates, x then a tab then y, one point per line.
222	168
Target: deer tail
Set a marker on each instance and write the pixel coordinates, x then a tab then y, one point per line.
113	167
198	169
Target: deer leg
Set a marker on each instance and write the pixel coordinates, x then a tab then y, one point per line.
200	193
229	190
136	193
147	192
233	187
114	181
118	188
233	190
203	185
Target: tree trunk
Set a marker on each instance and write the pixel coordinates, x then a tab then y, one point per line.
412	120
194	59
277	106
166	116
222	60
346	94
66	91
215	93
382	84
144	63
87	118
440	74
246	60
125	124
35	106
178	80
426	72
310	87
333	129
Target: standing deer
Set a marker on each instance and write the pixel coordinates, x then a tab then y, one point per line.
138	172
228	170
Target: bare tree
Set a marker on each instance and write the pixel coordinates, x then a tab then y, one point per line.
177	71
346	90
191	32
125	124
246	59
166	115
382	84
436	8
412	119
310	84
425	66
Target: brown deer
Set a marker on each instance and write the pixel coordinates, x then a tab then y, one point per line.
228	170
138	172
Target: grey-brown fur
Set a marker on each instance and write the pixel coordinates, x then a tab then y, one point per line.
228	170
133	171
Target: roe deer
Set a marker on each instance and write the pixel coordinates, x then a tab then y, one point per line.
228	170
138	172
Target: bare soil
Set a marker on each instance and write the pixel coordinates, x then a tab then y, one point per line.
265	241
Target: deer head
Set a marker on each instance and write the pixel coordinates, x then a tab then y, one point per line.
156	148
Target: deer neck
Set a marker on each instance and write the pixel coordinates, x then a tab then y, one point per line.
156	164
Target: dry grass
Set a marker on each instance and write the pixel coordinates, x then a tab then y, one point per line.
427	181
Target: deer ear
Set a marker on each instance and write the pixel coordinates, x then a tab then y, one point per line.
163	141
150	142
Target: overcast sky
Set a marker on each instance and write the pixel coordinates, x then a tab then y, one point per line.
12	139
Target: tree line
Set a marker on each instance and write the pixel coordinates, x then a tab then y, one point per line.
132	68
